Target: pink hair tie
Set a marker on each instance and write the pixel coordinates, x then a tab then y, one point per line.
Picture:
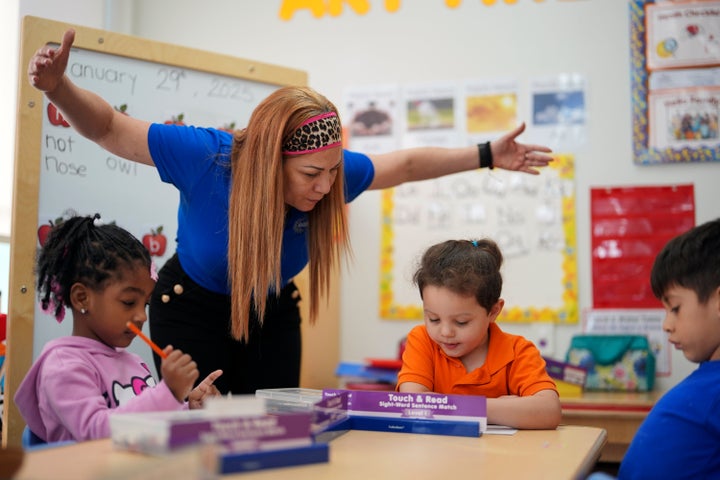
153	270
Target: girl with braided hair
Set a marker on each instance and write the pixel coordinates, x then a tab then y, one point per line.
105	277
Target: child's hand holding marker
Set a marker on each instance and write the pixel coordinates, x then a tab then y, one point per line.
179	372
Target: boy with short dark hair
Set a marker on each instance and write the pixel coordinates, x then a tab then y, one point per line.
680	438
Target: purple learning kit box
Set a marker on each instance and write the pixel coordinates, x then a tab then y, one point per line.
429	413
164	432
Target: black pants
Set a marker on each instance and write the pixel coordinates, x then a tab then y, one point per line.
197	321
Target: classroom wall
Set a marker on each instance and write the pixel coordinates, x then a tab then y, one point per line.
429	41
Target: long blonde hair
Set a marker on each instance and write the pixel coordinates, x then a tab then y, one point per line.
256	214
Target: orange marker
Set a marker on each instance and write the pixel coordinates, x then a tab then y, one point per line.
152	344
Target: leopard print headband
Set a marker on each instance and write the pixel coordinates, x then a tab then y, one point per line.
314	134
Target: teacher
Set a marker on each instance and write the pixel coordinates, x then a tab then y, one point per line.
255	208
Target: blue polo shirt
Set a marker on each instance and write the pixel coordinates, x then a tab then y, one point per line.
197	162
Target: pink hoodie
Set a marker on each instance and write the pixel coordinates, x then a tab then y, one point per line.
77	383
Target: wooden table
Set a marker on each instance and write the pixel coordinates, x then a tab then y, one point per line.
569	452
620	414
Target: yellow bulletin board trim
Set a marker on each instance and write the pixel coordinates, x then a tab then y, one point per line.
567	313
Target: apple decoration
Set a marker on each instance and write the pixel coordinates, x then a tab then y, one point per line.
155	242
55	117
44	230
122	108
176	120
228	127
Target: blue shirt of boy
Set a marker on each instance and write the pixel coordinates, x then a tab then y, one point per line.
680	438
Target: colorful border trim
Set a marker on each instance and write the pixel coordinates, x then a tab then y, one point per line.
642	154
567	314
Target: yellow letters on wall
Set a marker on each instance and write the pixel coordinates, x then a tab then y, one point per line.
334	8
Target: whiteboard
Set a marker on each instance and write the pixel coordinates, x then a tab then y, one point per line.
532	219
57	171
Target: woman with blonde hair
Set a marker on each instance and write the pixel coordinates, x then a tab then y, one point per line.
255	208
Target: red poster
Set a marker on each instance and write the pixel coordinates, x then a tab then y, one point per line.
630	225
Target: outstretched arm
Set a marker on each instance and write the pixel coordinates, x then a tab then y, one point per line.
413	164
90	115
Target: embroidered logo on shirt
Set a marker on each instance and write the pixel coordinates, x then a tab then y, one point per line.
301	224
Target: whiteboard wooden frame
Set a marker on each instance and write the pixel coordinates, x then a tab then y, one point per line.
21	301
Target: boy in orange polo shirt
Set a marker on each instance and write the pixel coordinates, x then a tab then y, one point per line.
461	350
